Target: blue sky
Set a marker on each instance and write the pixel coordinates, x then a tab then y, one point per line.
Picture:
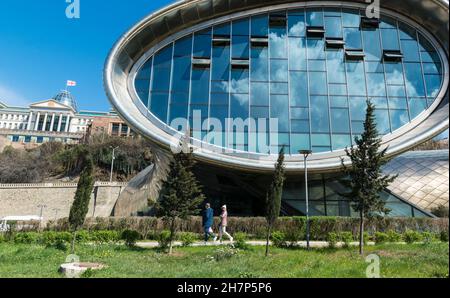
40	48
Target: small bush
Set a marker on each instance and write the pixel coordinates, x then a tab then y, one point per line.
163	239
103	237
82	236
26	237
54	239
130	237
187	238
444	236
240	240
332	239
2	238
224	253
411	236
366	238
393	236
279	239
427	237
346	238
381	237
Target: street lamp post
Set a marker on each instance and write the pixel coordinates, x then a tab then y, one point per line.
112	163
305	154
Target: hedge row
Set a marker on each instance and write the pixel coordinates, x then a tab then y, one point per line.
255	227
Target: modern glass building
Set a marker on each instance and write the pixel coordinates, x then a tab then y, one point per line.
247	77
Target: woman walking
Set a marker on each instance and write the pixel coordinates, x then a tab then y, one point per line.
223	224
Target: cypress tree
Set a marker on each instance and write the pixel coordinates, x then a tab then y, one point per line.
182	194
80	205
364	177
273	197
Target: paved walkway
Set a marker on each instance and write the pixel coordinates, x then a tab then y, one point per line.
313	244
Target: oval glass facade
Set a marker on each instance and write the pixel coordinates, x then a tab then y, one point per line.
311	69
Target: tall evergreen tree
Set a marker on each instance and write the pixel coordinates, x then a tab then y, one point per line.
80	205
274	194
364	177
182	194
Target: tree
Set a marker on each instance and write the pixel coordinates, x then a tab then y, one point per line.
80	205
364	177
273	198
182	194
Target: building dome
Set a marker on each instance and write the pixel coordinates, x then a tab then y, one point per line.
66	98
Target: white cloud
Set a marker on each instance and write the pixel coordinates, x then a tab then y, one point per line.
11	97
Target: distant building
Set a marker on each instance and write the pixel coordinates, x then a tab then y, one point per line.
56	119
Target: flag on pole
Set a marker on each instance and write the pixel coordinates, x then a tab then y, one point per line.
71	83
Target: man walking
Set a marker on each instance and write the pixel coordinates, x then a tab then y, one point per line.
208	221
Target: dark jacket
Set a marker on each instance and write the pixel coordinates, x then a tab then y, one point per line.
208	217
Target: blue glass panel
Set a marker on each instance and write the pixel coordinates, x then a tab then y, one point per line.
178	111
200	86
414	80
278	70
239	107
399	118
333	26
315	48
278	88
179	98
240	47
163	59
379	102
314	17
317	83
183	47
341	141
340	122
278	43
352	38
335	66
389	38
280	110
300	126
222	30
410	51
338	102
260	25
241	27
350	18
382	120
433	83
146	71
358	108
181	74
259	112
396	91
259	64
375	84
355	78
142	85
417	106
297	53
299	89
357	127
202	45
337	89
259	94
377	66
319	114
316	65
432	68
394	73
372	46
299	113
159	105
161	79
221	63
407	32
296	24
143	96
398	103
219	98
299	141
320	140
239	81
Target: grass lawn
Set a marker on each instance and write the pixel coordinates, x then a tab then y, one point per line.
397	260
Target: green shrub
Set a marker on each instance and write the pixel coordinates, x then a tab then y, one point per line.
393	236
130	237
240	239
292	236
332	239
411	236
187	238
54	239
444	236
223	253
346	238
163	239
428	237
26	237
279	239
2	238
381	237
103	237
366	238
82	236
